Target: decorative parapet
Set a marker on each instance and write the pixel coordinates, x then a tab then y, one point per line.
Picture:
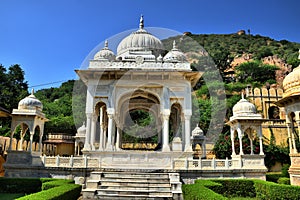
95	64
239	162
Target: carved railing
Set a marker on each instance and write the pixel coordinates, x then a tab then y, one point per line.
238	162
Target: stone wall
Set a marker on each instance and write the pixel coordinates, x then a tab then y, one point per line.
264	99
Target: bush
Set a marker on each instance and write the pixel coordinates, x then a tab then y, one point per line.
234	187
285	170
284	180
199	190
273	177
55	183
20	185
212	189
268	190
63	192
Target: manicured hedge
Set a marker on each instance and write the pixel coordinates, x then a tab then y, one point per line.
284	180
200	190
20	185
268	190
234	187
51	188
55	183
215	188
273	177
63	192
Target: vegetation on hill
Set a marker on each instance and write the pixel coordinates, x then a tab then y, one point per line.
57	103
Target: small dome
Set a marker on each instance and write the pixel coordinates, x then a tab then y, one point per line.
30	102
140	40
175	55
291	83
197	131
243	108
105	53
81	130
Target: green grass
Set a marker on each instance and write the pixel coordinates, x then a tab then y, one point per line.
244	198
10	196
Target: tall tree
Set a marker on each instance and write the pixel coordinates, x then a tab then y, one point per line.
13	88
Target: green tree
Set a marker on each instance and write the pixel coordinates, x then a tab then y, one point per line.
249	72
13	88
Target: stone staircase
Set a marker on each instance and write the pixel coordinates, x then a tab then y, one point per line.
132	185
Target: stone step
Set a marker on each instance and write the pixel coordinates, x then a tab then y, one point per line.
134	184
116	197
133	180
133	193
136	175
134	188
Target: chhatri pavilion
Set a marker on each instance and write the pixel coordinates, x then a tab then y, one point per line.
142	78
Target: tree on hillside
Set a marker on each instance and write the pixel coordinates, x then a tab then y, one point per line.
57	104
13	88
256	71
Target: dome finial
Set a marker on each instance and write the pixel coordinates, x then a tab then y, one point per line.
142	22
106	44
243	95
299	55
174	45
32	91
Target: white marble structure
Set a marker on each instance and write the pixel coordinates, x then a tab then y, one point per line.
138	77
291	104
246	122
30	117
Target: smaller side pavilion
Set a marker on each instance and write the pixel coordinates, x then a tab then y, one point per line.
30	119
245	124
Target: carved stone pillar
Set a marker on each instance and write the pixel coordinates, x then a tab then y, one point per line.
109	146
261	149
182	132
240	140
31	140
166	146
187	127
93	131
293	138
87	145
251	146
232	141
101	137
40	141
118	139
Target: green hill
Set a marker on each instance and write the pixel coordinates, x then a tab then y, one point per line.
222	48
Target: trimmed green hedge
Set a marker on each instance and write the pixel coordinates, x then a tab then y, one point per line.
200	190
55	183
234	187
63	192
273	177
41	188
212	189
268	190
284	180
20	185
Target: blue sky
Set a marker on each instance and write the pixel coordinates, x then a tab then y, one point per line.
51	38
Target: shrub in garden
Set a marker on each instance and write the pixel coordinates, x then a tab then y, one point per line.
284	180
234	187
20	185
268	190
199	190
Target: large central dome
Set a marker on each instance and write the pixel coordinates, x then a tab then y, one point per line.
141	40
